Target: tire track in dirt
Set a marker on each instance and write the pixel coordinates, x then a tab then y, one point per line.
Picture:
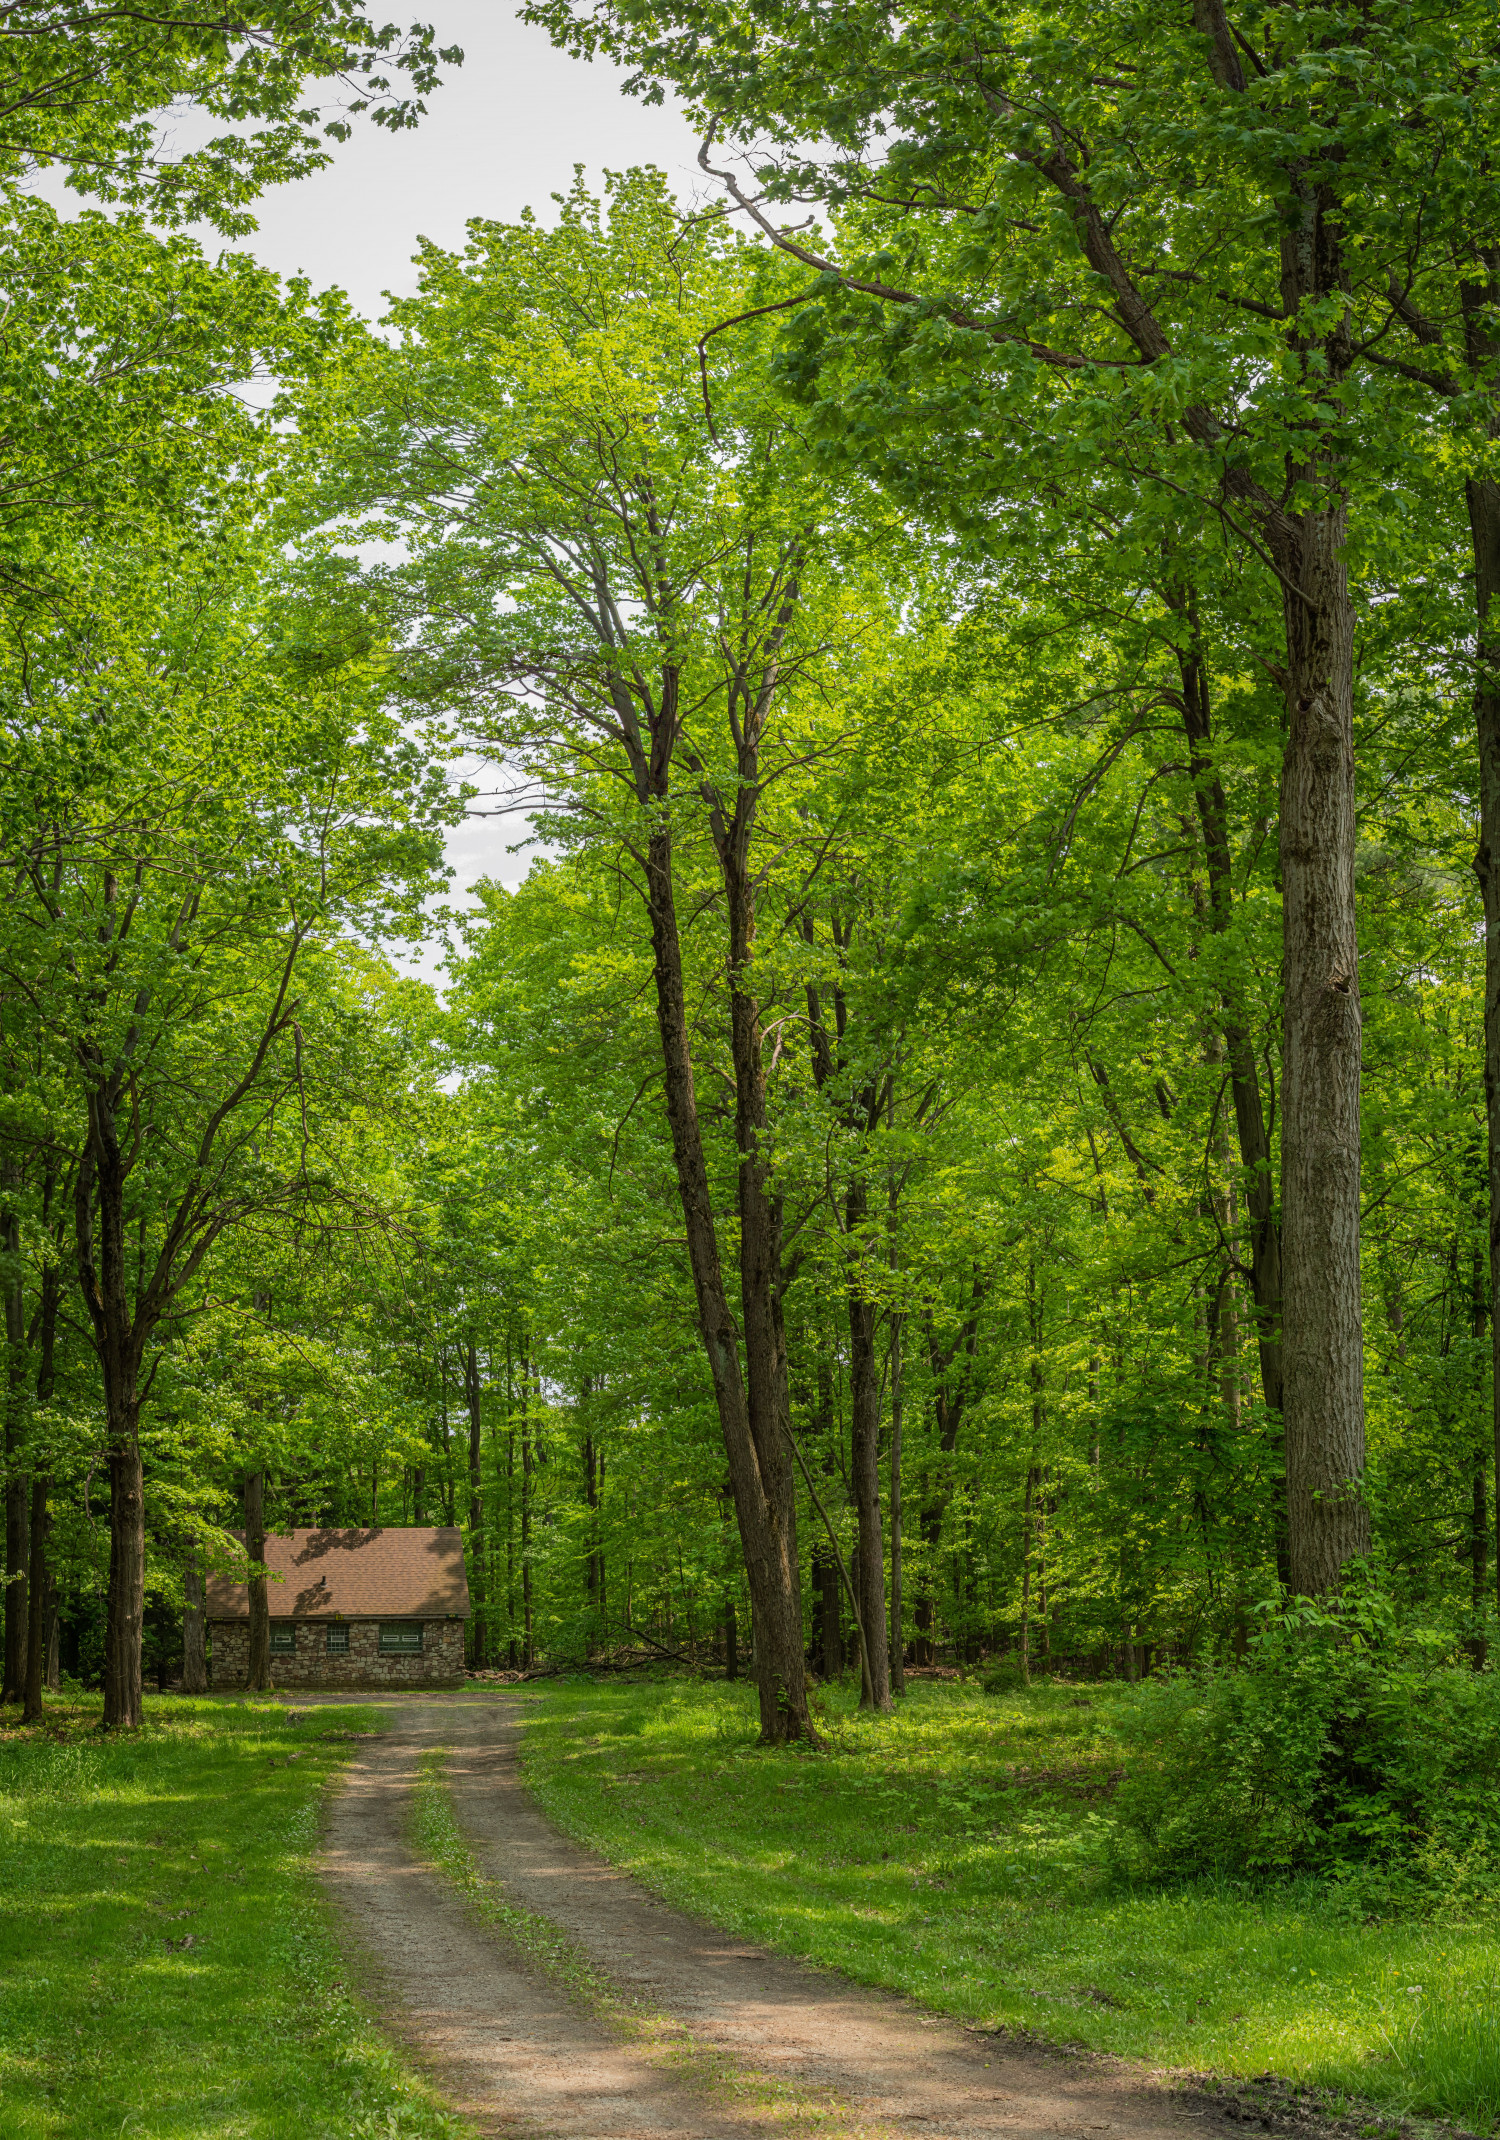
513	2051
502	2043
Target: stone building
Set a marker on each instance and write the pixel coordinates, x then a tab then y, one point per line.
350	1608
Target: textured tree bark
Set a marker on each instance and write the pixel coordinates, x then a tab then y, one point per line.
753	1406
1482	496
864	1463
194	1650
258	1676
1323	1368
125	1595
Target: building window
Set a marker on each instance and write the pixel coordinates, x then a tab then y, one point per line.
283	1641
338	1640
400	1638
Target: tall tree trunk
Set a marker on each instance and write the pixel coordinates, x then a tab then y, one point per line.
1482	495
864	1459
258	1676
591	1565
40	1585
476	1507
1244	1074
125	1595
1323	1365
1026	1529
194	1652
42	1617
528	1648
753	1408
513	1655
1035	1475
119	1334
17	1485
898	1644
949	1402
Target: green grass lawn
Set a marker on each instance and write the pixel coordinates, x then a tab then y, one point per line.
956	1852
166	1966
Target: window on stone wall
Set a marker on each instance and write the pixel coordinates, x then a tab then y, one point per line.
400	1638
283	1641
338	1640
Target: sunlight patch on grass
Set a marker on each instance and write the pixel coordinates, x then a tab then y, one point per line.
716	2076
167	1967
955	1852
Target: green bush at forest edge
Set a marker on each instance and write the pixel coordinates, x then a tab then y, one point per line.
966	1852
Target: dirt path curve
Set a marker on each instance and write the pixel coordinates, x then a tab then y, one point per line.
514	2052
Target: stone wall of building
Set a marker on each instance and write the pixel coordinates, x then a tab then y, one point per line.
439	1662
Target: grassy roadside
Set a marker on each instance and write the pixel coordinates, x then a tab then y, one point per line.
719	2078
166	1966
955	1853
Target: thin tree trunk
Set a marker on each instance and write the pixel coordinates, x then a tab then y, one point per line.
194	1652
258	1675
1479	1518
528	1650
1036	1381
41	1621
1244	1074
591	1563
754	1414
476	1506
1482	495
949	1402
1026	1576
512	1653
898	1645
118	1336
864	1461
17	1485
40	1585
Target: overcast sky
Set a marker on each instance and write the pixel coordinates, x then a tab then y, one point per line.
502	133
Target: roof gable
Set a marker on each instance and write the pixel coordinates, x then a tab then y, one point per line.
353	1574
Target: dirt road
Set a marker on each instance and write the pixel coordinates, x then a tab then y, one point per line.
520	2056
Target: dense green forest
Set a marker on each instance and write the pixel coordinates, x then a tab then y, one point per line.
978	1136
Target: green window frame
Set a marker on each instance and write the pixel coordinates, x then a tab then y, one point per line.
283	1641
338	1641
400	1638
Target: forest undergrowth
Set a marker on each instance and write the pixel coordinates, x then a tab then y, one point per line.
961	1852
166	1965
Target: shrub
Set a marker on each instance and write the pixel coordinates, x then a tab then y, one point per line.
1342	1747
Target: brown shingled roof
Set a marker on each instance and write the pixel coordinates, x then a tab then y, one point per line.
354	1574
